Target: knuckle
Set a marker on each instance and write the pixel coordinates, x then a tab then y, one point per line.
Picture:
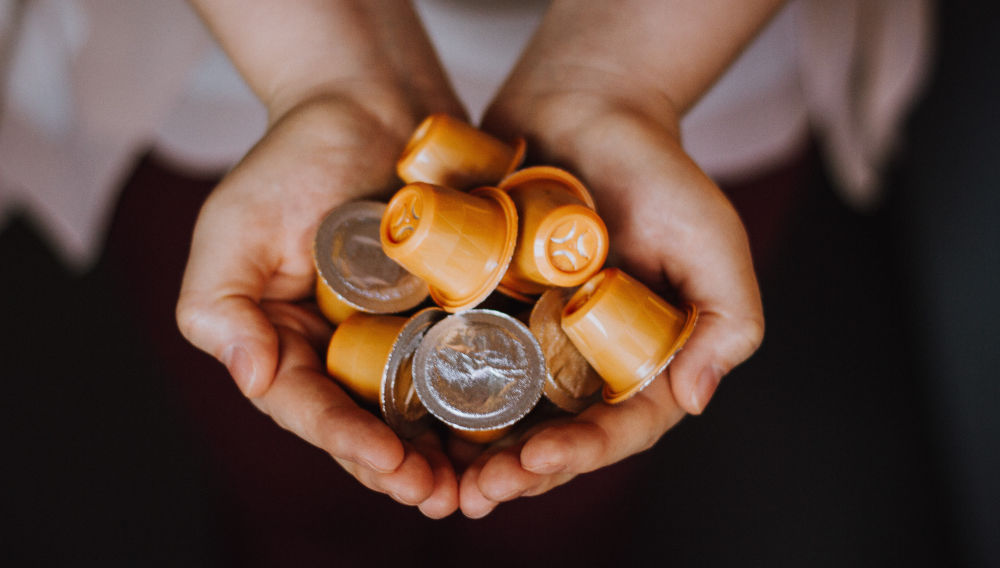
189	317
660	419
651	437
604	448
327	429
286	315
751	331
320	427
604	445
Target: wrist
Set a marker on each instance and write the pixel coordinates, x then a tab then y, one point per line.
394	105
554	106
675	48
373	53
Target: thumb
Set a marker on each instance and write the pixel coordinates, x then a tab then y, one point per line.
218	309
234	330
717	345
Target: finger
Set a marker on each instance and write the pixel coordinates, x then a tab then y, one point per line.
720	280
234	330
305	401
411	483
302	319
718	344
670	219
503	478
218	307
603	434
443	499
708	263
472	502
549	482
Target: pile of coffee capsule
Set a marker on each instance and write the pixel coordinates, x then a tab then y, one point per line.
465	225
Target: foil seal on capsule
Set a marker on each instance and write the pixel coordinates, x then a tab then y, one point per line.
479	371
401	407
353	273
570	382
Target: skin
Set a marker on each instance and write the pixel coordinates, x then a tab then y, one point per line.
588	96
345	84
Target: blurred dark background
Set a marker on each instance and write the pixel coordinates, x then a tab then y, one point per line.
865	432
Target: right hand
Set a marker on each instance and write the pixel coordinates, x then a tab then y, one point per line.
244	298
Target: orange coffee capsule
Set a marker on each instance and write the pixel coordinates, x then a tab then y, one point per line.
353	273
561	240
372	355
459	243
482	436
627	333
359	350
401	406
447	151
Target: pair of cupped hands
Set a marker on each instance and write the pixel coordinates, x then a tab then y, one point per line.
247	300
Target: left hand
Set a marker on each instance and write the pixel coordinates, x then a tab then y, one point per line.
669	226
556	451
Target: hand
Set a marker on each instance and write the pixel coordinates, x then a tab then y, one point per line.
670	226
251	268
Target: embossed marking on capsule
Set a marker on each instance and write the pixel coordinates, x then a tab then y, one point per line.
407	220
566	253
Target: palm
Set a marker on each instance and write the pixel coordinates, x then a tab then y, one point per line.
670	226
253	241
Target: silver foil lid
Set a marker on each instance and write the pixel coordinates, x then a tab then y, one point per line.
401	407
570	382
479	370
349	259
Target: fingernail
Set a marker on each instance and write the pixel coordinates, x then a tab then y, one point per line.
512	495
237	360
708	381
546	467
399	499
481	515
371	465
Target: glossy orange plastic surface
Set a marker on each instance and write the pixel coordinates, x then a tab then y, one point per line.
353	274
444	150
482	436
561	240
359	351
625	331
330	304
459	243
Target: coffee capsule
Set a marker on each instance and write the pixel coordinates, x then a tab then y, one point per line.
444	150
570	382
479	372
627	333
561	240
459	243
401	407
359	350
353	274
371	355
482	436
